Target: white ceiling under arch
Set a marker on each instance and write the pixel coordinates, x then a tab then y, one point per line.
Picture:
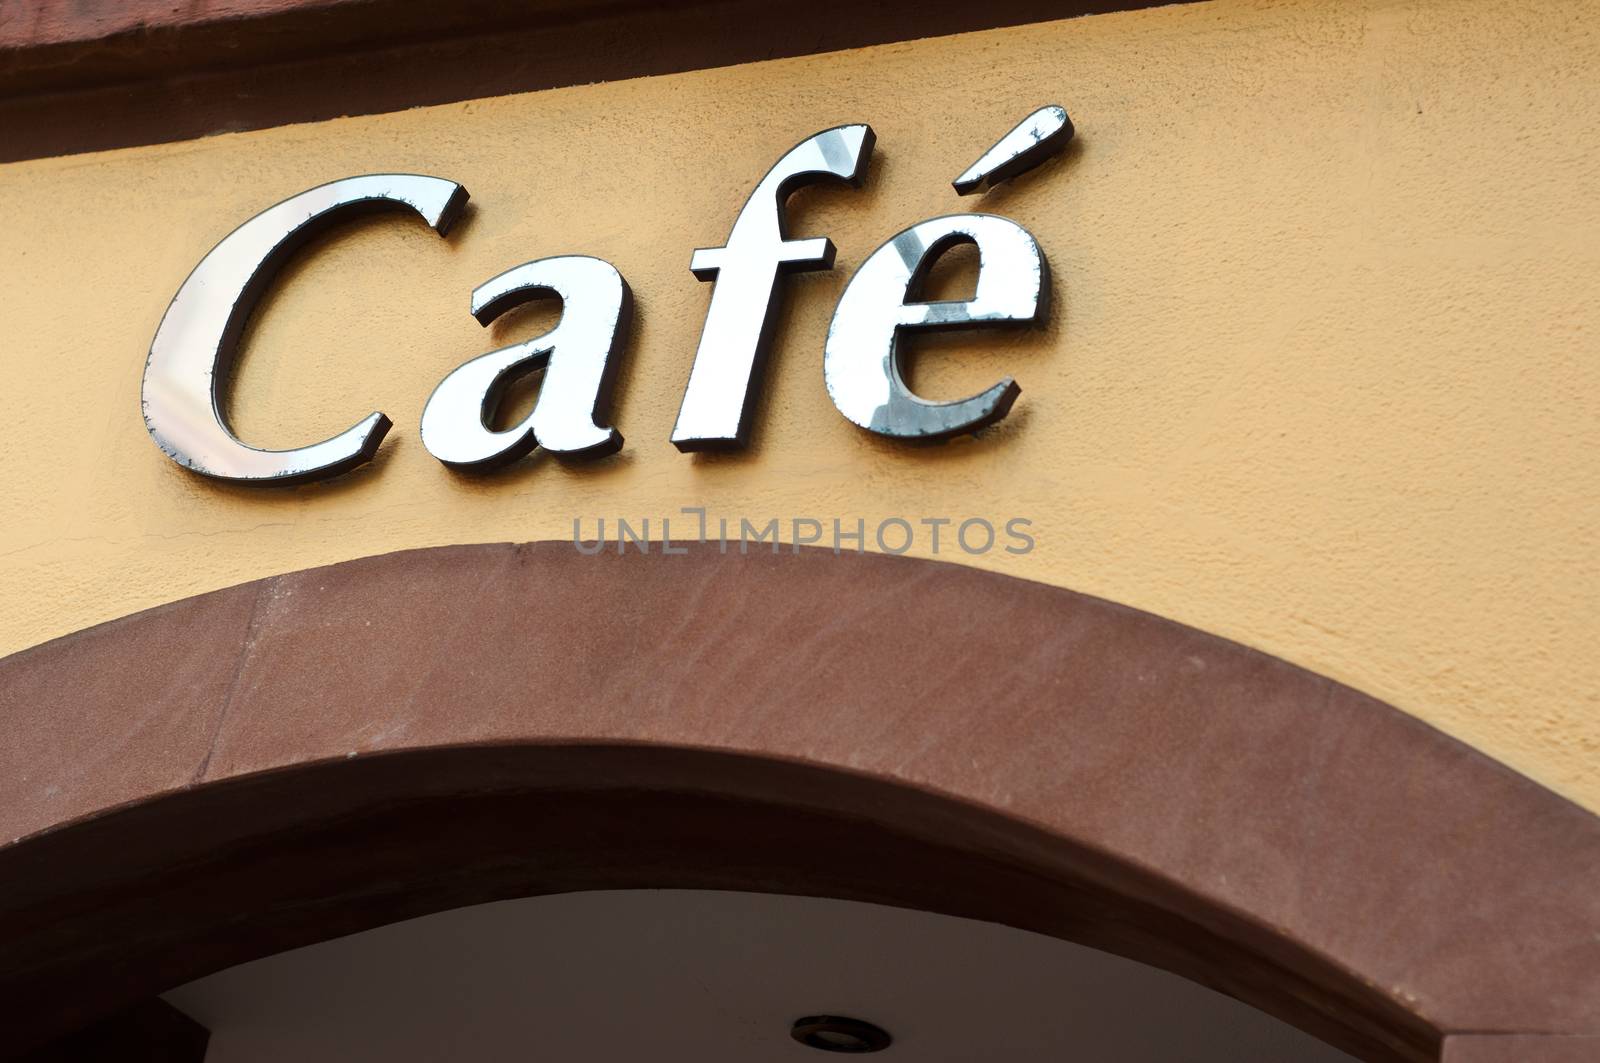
683	976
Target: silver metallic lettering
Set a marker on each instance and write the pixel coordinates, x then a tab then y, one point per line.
728	365
1037	138
861	363
580	360
195	346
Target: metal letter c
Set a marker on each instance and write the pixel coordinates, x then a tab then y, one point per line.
194	346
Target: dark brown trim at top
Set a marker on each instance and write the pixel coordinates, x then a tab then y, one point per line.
77	78
325	751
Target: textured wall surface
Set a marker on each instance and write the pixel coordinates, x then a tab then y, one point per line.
1322	375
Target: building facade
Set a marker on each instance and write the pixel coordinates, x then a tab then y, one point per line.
1233	613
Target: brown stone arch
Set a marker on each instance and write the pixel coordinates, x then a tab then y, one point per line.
320	752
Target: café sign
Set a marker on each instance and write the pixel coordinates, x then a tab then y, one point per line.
196	343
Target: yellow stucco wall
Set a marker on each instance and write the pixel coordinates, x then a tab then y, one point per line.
1324	375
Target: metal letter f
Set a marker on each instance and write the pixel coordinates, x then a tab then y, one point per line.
744	304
